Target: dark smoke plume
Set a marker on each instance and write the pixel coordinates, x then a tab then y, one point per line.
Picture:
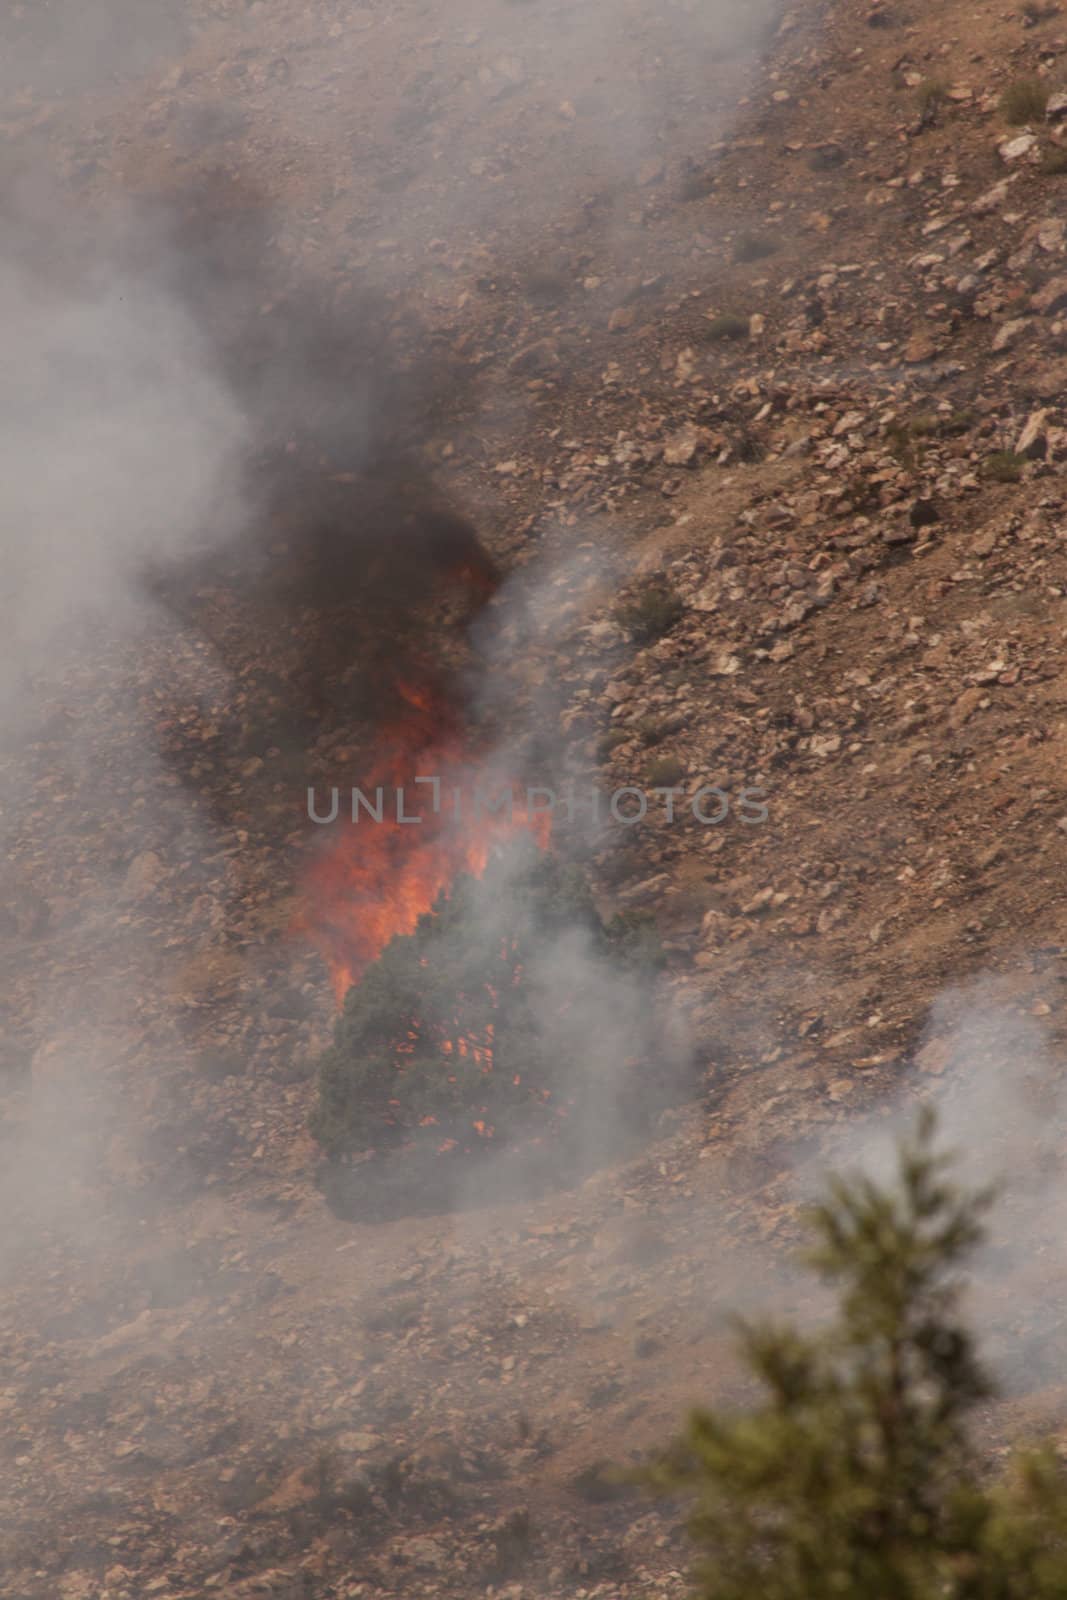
346	537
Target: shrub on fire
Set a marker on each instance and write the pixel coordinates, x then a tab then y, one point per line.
512	1013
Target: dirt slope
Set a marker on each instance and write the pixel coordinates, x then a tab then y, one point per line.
212	1386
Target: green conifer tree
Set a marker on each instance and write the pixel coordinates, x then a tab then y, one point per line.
855	1478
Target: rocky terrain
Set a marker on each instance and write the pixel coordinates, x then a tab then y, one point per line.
777	317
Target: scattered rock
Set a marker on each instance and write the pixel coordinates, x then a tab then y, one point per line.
1010	332
1017	148
680	449
143	875
1033	440
539	357
1051	298
992	200
922	346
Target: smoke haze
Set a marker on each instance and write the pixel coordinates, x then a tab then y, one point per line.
236	375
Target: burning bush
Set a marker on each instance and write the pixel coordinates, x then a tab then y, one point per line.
513	1017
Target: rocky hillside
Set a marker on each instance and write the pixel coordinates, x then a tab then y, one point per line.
776	322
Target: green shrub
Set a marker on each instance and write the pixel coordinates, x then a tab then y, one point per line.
905	440
953	424
931	95
1024	101
666	771
1003	466
651	612
650	730
727	325
611	740
753	247
855	1478
900	442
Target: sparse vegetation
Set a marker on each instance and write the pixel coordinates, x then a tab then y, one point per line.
600	1483
1035	11
747	446
611	740
697	184
650	730
1003	466
334	1490
953	424
931	91
1024	100
900	443
753	247
856	1477
727	325
512	1543
651	612
931	96
401	1483
826	158
396	1316
906	438
861	492
666	771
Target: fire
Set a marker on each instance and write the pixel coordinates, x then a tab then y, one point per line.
381	873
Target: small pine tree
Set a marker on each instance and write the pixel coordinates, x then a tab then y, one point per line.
854	1479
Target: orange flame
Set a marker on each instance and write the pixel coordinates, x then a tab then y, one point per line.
378	877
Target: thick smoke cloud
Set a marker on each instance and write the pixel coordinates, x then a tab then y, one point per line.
120	440
68	45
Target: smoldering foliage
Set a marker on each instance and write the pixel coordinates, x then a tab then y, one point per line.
513	1040
204	428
